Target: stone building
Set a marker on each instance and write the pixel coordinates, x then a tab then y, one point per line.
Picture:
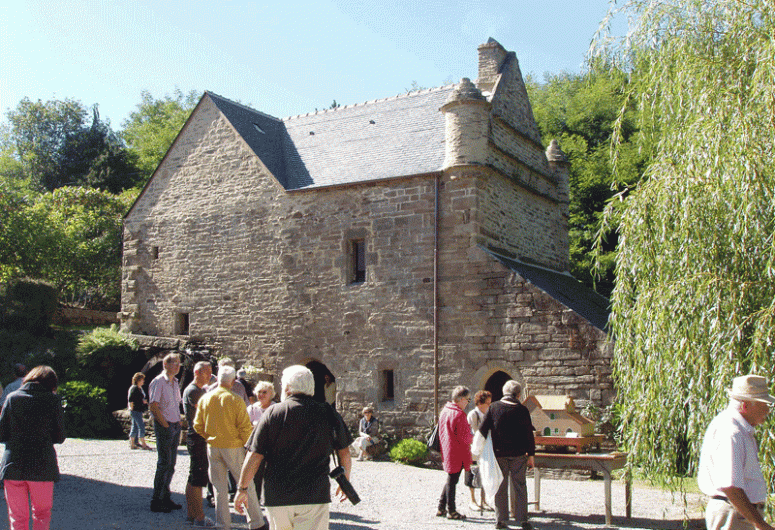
406	245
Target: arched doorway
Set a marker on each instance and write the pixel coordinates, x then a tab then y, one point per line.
319	370
495	383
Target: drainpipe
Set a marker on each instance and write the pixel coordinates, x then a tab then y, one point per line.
436	305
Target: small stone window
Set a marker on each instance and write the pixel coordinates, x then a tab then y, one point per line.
357	261
154	253
551	416
182	324
388	385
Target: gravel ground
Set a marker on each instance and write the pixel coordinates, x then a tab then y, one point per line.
105	485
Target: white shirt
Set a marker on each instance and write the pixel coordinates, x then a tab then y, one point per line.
475	418
729	457
255	411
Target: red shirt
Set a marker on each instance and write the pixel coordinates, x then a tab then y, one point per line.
456	437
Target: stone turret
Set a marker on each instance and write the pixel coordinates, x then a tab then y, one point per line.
491	58
559	166
467	114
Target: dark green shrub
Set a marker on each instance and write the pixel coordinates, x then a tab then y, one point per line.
106	357
106	350
409	451
27	305
86	411
56	349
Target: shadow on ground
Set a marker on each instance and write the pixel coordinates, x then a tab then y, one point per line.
349	521
84	504
557	521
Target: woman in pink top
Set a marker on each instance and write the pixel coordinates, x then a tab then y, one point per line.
455	436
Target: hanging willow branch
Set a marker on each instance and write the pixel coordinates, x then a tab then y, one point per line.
694	303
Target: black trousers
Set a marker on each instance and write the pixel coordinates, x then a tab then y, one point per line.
447	499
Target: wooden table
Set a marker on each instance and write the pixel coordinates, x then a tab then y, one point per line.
579	443
601	462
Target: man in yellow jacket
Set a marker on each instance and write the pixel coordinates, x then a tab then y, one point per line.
222	419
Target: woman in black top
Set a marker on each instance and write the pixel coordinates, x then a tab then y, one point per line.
31	423
138	403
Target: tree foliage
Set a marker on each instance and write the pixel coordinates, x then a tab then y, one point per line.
694	303
581	112
150	130
62	143
70	237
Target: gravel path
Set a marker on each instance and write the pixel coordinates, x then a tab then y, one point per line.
105	485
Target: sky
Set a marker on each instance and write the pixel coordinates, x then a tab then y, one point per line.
281	57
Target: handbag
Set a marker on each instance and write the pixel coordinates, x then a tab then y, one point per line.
472	479
433	440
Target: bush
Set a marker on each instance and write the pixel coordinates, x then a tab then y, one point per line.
104	352
27	305
56	349
106	357
409	451
86	411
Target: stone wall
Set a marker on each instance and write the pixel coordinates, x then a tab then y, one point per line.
216	250
76	316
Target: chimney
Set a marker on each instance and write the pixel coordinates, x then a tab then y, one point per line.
559	165
491	58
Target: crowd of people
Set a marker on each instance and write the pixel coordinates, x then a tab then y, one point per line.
284	449
240	445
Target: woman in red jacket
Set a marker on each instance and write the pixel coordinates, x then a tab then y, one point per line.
455	436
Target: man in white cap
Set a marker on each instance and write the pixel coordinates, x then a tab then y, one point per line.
730	473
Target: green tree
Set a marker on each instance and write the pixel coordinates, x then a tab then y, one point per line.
81	253
694	303
21	230
150	130
62	143
581	111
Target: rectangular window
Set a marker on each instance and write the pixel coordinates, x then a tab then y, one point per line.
182	324
388	385
358	249
155	252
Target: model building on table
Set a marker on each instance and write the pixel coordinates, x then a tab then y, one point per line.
557	416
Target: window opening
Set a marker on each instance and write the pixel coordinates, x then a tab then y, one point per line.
388	385
358	261
182	324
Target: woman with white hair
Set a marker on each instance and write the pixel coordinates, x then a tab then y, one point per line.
264	392
455	437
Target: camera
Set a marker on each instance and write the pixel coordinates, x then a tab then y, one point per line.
338	475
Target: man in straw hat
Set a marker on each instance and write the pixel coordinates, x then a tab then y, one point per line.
730	473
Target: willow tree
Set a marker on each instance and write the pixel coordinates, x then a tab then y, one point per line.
694	303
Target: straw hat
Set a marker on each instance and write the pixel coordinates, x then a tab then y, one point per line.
750	388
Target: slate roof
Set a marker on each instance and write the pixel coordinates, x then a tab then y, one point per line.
564	288
393	137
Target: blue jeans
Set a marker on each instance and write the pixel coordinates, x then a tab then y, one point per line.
167	441
138	425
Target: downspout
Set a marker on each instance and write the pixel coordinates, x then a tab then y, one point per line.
436	305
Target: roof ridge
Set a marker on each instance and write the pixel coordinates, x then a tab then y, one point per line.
369	102
245	107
